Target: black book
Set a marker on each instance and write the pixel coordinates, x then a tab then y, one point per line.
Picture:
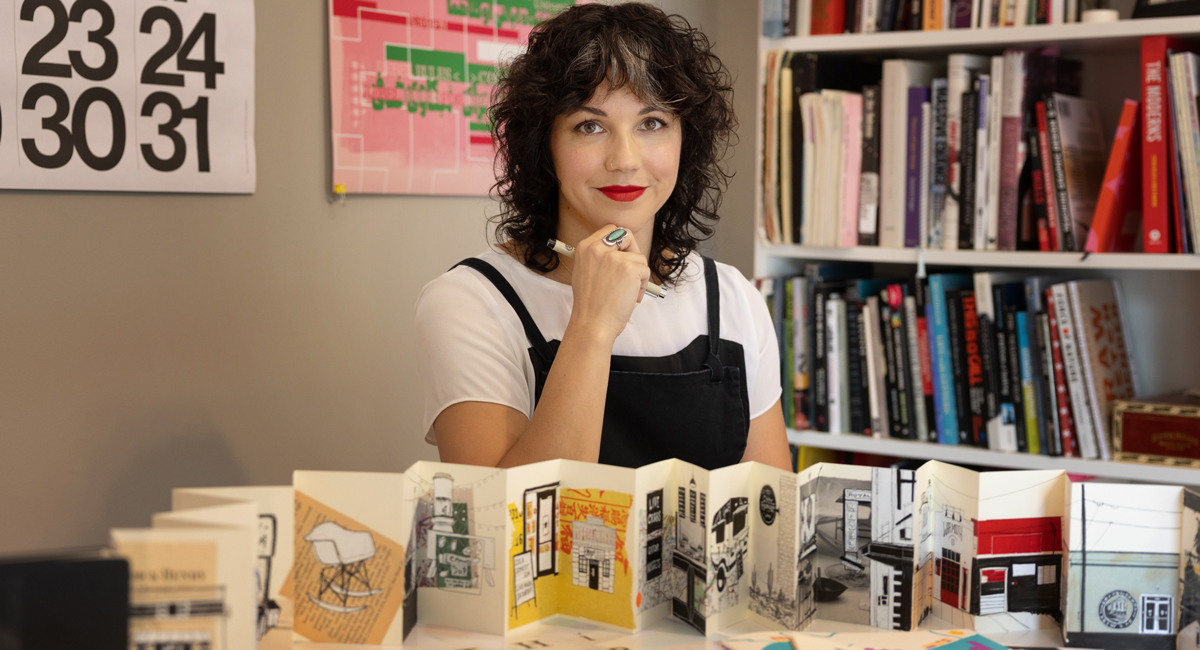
923	327
1062	203
1013	301
973	362
896	419
1005	389
987	356
1053	442
899	334
1037	183
956	339
816	275
857	345
966	157
915	22
868	194
887	14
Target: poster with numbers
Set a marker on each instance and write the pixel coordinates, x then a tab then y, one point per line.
409	89
127	95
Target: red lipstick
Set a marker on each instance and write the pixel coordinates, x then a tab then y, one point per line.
623	192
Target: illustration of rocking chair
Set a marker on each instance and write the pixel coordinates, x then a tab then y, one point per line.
344	554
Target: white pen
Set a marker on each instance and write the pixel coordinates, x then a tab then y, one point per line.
569	251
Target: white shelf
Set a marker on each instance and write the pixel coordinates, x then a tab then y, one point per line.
1075	37
964	455
1005	259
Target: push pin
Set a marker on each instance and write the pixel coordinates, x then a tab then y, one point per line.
339	190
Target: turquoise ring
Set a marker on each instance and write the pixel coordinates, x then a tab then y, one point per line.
616	237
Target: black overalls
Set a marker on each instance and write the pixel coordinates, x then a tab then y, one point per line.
692	405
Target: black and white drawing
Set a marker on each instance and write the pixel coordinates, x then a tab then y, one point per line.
729	537
459	561
268	609
195	615
343	554
688	603
593	554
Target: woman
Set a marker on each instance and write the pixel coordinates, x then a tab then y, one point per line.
610	130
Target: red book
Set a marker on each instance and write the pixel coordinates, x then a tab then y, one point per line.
1048	178
1062	398
1156	145
828	17
1163	429
1122	183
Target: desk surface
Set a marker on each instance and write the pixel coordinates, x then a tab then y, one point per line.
562	633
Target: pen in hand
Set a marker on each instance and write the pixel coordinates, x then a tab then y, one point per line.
569	251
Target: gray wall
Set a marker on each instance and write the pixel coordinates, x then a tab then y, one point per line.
152	341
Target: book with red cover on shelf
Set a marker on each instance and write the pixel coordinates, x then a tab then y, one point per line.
1160	429
1157	145
828	17
1114	225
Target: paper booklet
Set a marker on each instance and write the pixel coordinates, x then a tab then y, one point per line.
193	575
627	547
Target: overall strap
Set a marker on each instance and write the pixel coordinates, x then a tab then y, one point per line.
713	292
531	329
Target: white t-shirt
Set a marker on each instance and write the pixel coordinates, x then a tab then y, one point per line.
471	346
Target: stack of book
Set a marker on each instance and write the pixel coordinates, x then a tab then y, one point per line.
817	17
969	153
995	360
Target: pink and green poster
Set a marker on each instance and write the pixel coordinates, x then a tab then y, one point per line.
409	89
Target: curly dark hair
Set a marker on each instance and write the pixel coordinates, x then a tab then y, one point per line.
662	60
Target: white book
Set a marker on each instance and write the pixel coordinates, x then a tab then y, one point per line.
868	22
982	155
821	176
834	166
1057	11
851	167
898	76
803	17
914	367
808	105
958	81
800	325
993	157
1085	430
1072	12
876	399
1021	19
1186	96
926	175
835	310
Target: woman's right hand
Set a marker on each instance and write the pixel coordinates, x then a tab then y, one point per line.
607	283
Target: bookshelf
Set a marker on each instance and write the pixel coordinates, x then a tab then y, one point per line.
1160	293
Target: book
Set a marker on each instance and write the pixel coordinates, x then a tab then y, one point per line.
1162	429
1103	352
860	420
903	375
1185	66
993	163
1155	137
916	379
1062	196
1120	189
1011	301
943	372
1046	397
898	76
973	371
1037	187
38	589
921	286
1084	157
800	353
926	173
876	390
958	81
868	197
940	164
1012	111
967	165
1033	435
1084	428
892	375
852	148
998	400
839	365
983	99
786	155
917	97
1035	290
828	17
1047	163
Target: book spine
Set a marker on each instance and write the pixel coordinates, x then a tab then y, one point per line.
973	364
890	367
1049	188
1084	431
941	165
853	9
970	132
1062	200
833	373
828	17
1092	380
926	174
926	364
1009	313
1062	398
904	385
954	331
1011	105
940	360
915	18
916	384
1142	426
933	17
1038	190
820	365
982	86
987	358
1033	440
1043	12
1191	87
868	197
800	355
875	392
1046	388
960	14
1156	135
1005	390
868	19
1183	240
912	167
857	372
852	147
995	121
788	400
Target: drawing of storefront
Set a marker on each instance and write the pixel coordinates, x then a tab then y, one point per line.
540	534
729	536
952	555
1017	566
688	604
891	547
593	554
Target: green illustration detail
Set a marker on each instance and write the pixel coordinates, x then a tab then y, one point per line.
508	12
396	53
480	126
435	65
